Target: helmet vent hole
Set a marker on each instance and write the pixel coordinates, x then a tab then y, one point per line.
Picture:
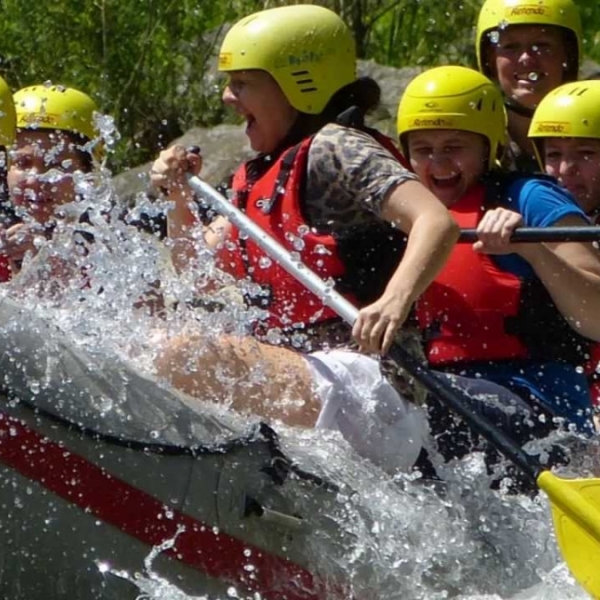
304	81
480	104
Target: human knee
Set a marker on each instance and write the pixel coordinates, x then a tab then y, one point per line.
176	355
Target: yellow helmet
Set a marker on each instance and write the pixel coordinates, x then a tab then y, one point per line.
453	97
571	110
307	49
54	107
497	14
8	119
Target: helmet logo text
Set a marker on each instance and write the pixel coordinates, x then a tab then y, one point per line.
556	127
225	60
433	122
38	119
528	10
297	60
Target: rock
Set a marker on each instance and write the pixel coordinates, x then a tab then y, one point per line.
393	82
223	147
589	70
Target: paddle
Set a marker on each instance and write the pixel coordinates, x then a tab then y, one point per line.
575	503
543	234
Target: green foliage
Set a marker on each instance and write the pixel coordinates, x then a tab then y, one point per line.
423	33
142	60
151	63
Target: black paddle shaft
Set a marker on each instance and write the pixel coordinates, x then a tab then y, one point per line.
543	234
455	398
458	401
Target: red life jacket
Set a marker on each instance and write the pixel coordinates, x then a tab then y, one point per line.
5	270
592	369
465	308
274	202
477	311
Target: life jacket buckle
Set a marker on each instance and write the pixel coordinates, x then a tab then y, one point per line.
265	205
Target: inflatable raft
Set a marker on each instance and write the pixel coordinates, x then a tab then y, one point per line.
100	464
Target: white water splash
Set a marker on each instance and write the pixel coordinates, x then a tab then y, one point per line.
408	540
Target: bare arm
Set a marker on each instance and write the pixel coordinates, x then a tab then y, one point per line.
571	274
169	174
569	271
431	236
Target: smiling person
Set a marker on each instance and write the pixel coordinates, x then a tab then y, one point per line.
55	129
566	133
528	49
565	130
333	190
514	319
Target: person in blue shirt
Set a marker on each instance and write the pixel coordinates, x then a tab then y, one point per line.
509	322
565	131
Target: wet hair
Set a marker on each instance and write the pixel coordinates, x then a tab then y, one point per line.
363	94
348	106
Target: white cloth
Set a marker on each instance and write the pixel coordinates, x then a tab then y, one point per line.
360	403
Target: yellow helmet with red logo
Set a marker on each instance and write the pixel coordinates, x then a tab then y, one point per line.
571	110
307	49
453	97
496	15
48	106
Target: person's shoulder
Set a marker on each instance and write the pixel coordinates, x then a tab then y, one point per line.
541	200
333	132
350	146
535	183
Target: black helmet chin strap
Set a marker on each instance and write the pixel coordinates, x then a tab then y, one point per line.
518	109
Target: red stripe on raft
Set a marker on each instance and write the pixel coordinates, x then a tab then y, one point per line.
136	513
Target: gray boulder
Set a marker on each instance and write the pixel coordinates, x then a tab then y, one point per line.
223	147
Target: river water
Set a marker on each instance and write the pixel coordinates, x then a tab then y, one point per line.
453	540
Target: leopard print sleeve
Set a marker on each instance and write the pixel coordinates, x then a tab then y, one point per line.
348	176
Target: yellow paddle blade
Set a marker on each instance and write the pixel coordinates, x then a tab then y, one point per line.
576	514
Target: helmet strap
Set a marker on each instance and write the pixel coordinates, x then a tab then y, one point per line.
518	109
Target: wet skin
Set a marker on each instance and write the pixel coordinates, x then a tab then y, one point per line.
528	61
40	181
257	97
448	161
575	162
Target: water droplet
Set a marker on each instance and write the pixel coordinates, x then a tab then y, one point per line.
321	249
103	567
